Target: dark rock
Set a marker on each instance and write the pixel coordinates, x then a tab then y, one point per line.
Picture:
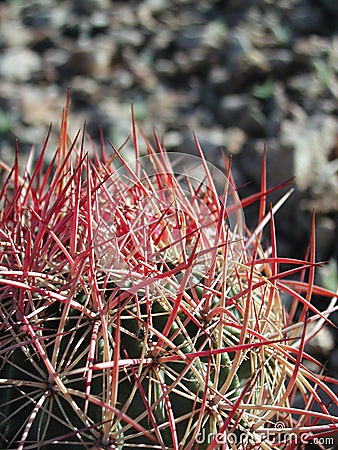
84	92
232	107
219	80
85	8
71	29
188	39
329	5
36	15
276	108
325	237
97	120
79	63
42	43
306	18
242	110
280	61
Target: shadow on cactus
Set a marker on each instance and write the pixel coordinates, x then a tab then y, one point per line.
137	310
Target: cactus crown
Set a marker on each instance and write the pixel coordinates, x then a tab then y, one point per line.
137	310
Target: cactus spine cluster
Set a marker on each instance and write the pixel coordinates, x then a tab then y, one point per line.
137	310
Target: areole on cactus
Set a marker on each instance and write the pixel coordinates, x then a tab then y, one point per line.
138	311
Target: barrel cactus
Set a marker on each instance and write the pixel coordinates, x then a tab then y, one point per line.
138	311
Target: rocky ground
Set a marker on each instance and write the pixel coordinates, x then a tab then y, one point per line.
241	73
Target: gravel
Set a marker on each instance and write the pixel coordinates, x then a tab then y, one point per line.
241	74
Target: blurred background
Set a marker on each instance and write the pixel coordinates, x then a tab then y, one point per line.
241	73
